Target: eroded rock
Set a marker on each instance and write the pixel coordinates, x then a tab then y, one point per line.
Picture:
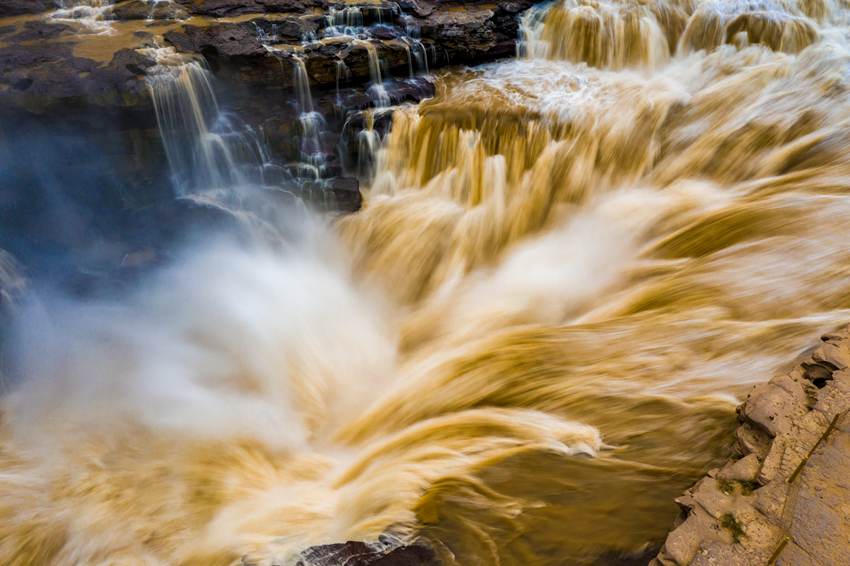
786	497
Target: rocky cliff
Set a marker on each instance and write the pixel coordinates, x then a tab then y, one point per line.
76	77
784	498
45	61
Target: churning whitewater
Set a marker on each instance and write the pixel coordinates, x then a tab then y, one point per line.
568	269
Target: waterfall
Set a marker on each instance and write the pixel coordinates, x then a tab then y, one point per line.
602	34
368	141
209	150
569	269
347	21
312	123
90	13
377	88
12	282
343	73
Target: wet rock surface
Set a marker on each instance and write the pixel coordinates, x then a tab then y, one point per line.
19	7
783	500
142	10
60	68
251	42
361	554
88	79
444	33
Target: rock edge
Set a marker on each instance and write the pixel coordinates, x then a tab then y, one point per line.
785	497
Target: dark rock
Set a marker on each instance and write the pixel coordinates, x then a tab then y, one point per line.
420	8
129	63
49	76
36	30
141	10
339	194
219	8
219	40
20	7
474	33
385	32
49	70
362	554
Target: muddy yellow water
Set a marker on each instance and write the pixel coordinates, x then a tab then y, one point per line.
569	269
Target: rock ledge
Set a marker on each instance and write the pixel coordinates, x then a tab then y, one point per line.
786	498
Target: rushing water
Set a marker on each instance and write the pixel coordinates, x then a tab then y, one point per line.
568	270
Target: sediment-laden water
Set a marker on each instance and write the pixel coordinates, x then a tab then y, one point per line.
568	270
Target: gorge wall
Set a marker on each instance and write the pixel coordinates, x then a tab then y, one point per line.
303	80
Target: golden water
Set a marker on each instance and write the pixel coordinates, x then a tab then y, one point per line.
569	269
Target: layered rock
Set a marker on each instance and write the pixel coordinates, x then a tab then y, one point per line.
44	64
783	499
59	67
82	79
446	33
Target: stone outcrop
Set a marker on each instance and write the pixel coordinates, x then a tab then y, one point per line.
77	91
20	7
247	41
784	499
142	10
363	554
56	68
446	33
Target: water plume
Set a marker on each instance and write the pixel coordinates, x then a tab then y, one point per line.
169	393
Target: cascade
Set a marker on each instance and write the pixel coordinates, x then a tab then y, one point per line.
154	4
312	122
347	21
210	151
569	269
623	132
602	33
343	73
377	88
89	13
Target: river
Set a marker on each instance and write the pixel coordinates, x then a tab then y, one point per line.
569	269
